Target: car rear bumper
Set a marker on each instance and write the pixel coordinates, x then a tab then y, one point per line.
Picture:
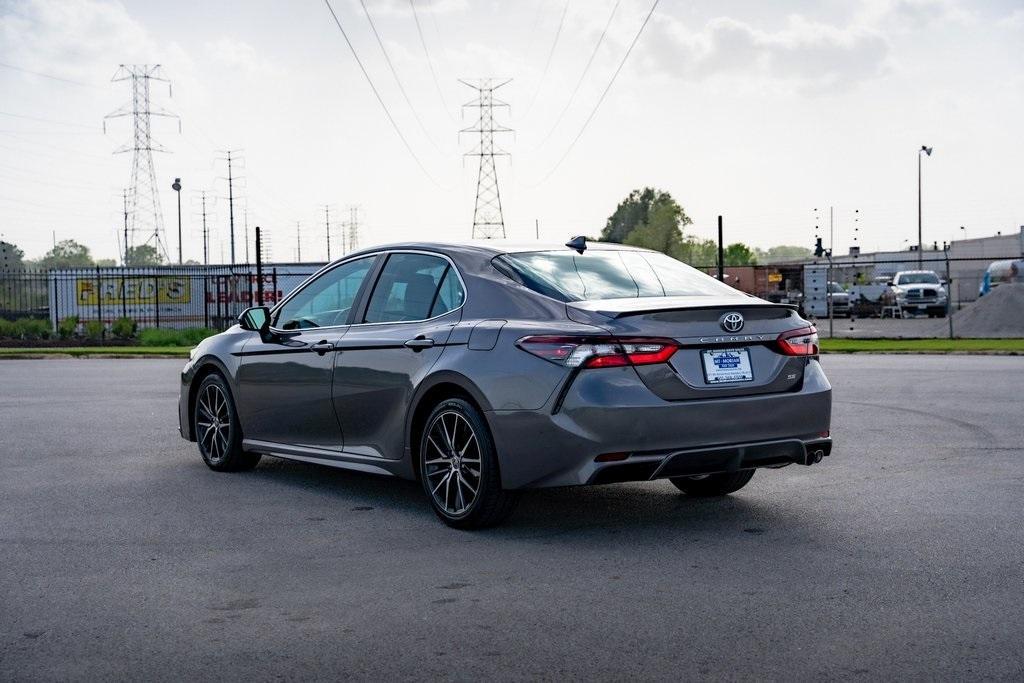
610	412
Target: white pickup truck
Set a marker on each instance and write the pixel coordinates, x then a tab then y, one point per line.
920	291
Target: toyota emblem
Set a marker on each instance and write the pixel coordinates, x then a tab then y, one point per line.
731	322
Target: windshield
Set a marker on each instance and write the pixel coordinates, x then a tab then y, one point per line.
918	279
596	275
836	288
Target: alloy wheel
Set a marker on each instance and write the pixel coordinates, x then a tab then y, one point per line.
452	462
213	422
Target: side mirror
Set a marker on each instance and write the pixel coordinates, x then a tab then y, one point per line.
889	283
255	319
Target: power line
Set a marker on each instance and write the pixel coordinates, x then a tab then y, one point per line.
547	64
42	120
398	81
604	94
53	78
430	62
583	75
376	94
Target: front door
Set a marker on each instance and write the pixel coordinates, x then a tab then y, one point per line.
285	379
408	319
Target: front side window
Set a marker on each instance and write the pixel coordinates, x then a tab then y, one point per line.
327	300
414	287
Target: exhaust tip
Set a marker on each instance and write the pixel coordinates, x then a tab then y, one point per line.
818	455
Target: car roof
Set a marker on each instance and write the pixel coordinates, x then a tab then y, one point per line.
496	247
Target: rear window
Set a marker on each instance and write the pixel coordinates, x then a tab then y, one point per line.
595	275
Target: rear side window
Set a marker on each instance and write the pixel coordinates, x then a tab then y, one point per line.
599	274
413	287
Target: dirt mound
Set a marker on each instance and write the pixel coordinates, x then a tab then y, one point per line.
1000	313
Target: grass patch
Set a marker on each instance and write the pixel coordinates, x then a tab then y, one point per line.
1007	346
97	352
161	336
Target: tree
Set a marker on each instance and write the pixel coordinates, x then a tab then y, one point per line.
105	262
66	254
782	252
143	255
636	210
11	258
660	231
698	252
739	254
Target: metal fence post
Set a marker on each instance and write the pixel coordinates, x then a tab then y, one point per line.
156	299
274	281
124	300
206	300
99	301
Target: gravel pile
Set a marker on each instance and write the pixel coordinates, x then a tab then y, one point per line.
1000	313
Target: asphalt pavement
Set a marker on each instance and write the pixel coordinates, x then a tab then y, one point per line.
901	556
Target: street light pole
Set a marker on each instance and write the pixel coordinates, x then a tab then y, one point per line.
920	242
176	186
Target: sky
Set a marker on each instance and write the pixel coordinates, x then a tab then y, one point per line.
757	111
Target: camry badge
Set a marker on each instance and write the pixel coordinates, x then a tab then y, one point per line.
731	322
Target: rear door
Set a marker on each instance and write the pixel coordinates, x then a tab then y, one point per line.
401	332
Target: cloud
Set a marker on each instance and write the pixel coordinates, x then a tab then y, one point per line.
79	39
805	53
401	8
242	57
1014	20
915	14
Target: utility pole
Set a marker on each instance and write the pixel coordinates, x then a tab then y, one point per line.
327	222
536	228
206	235
488	219
920	242
145	196
231	195
298	242
176	186
245	219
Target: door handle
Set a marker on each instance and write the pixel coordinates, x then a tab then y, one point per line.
419	343
322	347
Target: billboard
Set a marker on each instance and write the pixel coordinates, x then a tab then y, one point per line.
187	296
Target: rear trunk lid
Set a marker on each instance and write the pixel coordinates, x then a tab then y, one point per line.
715	359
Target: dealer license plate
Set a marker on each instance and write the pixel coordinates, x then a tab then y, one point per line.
722	366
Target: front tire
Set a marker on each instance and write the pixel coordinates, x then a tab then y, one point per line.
459	468
218	432
720	484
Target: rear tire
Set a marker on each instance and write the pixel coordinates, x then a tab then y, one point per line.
218	432
720	484
459	468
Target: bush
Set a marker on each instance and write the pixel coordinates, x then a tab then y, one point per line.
67	327
31	328
124	328
6	328
94	330
156	336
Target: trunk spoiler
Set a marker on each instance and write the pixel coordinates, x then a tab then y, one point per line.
620	308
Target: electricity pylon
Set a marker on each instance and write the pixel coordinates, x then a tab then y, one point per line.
488	220
144	195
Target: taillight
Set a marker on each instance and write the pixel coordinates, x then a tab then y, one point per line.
598	352
799	342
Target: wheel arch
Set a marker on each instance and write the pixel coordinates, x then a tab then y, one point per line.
442	385
205	367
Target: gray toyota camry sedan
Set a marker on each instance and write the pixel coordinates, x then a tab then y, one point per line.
482	370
